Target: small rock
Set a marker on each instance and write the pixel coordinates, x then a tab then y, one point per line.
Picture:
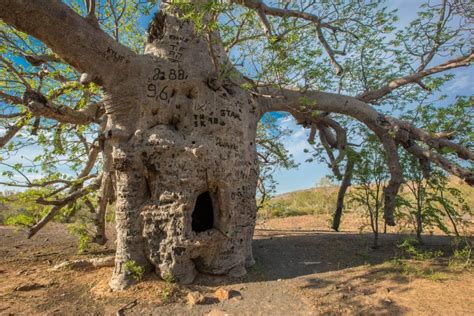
195	298
222	294
387	301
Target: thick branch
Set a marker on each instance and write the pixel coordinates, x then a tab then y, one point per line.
37	60
442	162
72	37
435	142
40	106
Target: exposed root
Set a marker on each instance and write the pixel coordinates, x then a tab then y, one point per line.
91	263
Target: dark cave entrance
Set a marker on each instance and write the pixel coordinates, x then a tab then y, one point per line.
203	213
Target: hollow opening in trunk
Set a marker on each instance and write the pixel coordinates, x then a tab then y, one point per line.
203	214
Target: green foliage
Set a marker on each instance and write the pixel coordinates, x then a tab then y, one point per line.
19	208
434	202
409	248
462	255
19	220
170	290
370	176
135	270
414	260
81	231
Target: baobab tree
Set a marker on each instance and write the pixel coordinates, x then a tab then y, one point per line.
176	124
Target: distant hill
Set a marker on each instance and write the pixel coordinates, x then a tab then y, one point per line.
322	200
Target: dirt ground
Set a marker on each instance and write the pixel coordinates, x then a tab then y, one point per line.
302	269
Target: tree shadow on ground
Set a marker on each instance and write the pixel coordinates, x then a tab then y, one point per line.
287	254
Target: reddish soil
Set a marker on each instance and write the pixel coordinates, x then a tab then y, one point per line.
302	269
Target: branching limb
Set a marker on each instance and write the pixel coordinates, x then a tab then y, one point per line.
416	77
40	106
263	10
329	51
432	156
13	130
384	127
59	204
437	142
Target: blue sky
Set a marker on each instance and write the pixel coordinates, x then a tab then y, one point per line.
308	174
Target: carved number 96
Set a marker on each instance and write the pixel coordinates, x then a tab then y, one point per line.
153	92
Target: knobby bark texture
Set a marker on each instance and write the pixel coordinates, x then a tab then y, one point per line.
184	156
179	138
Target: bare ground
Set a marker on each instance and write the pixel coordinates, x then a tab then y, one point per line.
302	269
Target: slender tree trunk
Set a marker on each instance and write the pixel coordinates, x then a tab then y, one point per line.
419	219
346	182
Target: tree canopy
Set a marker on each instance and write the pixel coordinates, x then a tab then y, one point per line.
343	69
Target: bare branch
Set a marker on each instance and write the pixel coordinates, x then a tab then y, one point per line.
415	77
267	27
329	51
10	98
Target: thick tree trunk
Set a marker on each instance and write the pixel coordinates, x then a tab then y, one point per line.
185	161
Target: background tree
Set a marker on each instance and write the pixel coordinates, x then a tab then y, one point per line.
370	176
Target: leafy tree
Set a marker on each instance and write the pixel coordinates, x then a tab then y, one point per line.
144	128
370	176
